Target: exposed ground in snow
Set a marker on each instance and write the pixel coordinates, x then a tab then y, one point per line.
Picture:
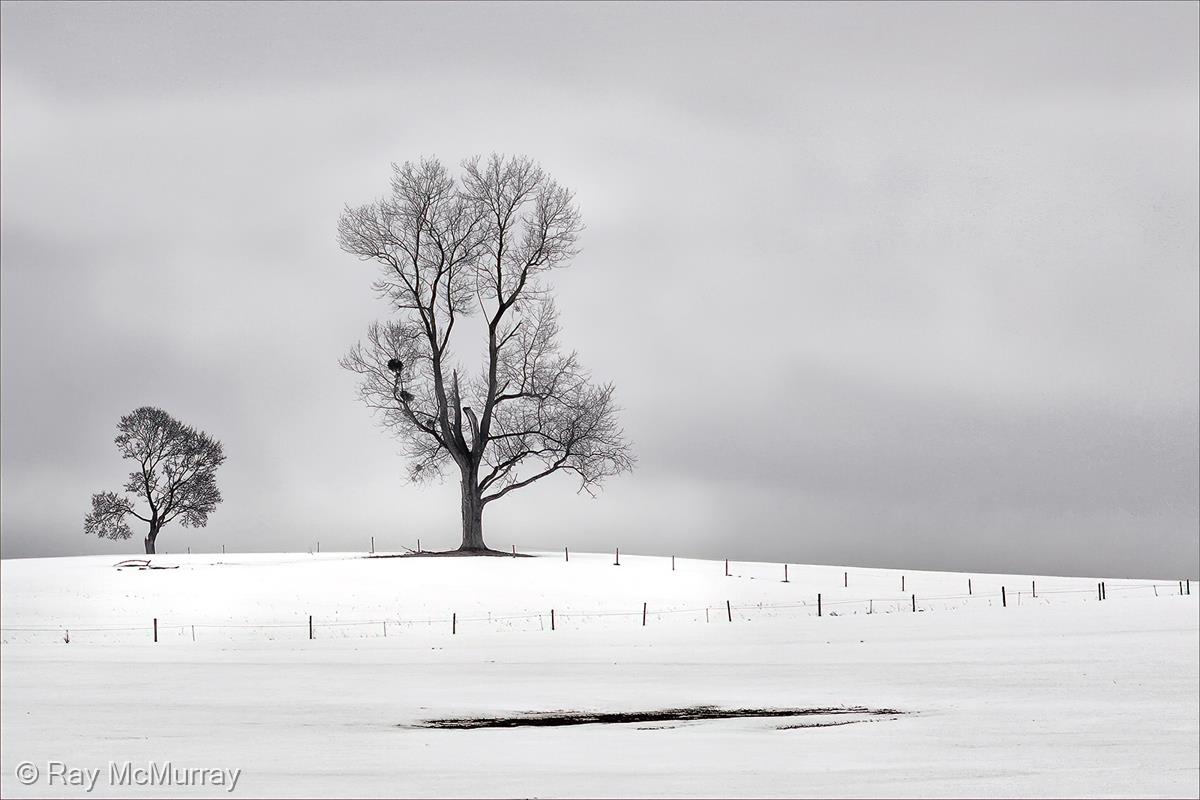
1062	695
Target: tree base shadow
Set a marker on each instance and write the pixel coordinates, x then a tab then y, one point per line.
460	553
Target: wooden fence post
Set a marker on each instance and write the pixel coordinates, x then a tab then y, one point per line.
1099	594
372	545
1181	587
1003	598
514	547
222	549
310	627
914	599
1035	588
727	573
156	629
672	563
643	615
870	606
454	622
318	545
785	580
969	592
418	545
566	554
902	583
193	633
385	629
1103	590
617	563
818	604
552	619
729	610
845	579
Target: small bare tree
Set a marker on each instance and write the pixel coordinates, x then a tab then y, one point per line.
175	477
450	248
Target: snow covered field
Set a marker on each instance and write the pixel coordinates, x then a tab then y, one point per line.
1058	695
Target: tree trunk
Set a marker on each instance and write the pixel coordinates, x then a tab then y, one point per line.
472	513
150	540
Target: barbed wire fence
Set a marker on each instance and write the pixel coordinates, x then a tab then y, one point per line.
452	624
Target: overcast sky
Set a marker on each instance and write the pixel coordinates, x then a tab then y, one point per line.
882	284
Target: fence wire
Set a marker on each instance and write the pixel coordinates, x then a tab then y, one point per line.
455	624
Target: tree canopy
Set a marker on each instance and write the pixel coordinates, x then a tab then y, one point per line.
175	477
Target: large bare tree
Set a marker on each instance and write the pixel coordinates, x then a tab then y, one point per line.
175	477
481	244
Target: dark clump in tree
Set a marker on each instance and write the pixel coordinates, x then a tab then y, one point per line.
175	478
480	244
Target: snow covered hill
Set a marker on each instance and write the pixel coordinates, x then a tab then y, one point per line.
1060	694
260	596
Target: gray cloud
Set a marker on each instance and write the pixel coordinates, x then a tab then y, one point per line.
880	284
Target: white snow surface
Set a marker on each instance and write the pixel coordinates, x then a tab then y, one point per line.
1062	695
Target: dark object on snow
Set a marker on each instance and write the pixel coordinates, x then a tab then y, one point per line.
140	563
671	714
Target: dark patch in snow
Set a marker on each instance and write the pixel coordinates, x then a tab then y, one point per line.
557	718
833	724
